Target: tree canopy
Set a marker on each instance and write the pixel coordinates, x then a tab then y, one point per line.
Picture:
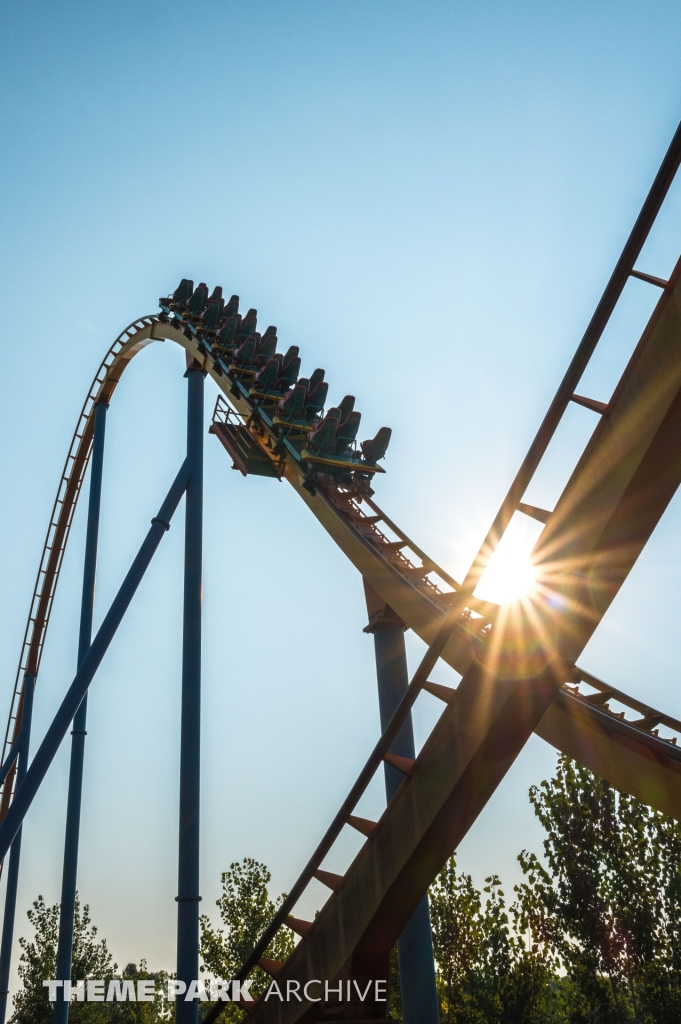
91	960
592	934
245	911
607	905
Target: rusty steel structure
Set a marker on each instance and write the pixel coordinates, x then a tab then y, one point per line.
518	663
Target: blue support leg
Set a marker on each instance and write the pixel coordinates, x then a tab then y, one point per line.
420	1004
60	1014
15	851
188	897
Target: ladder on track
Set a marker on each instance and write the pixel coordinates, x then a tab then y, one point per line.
622	484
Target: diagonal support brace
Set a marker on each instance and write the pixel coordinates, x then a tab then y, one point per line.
10	759
23	799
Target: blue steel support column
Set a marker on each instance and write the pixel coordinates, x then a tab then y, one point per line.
15	851
60	1014
190	743
420	1003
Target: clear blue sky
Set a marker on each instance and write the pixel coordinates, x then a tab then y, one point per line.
428	198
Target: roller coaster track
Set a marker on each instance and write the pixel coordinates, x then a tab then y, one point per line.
403	585
518	667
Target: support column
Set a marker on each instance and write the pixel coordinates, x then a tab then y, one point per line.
15	850
60	1013
188	897
420	1003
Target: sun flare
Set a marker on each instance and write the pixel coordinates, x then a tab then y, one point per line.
510	574
508	579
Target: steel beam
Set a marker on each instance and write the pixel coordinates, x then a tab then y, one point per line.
469	751
60	1013
599	321
11	758
656	780
619	490
420	1004
11	823
646	766
188	897
623	482
24	740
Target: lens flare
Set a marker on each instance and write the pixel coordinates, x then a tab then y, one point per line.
510	574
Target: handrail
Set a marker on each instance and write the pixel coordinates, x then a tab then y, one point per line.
429	564
624	698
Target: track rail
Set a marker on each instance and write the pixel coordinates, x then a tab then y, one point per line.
124	347
518	674
622	483
396	568
391	567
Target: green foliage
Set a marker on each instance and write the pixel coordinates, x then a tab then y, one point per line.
394	994
593	937
142	1013
91	960
595	931
484	973
245	909
609	904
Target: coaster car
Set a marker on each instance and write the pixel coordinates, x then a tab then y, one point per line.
299	411
315	399
346	434
229	330
212	313
290	367
243	358
198	301
375	449
291	407
183	292
330	442
250	322
331	445
321	440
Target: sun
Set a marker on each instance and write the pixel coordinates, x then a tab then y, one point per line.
507	578
510	574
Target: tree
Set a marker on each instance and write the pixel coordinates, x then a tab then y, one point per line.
91	960
245	909
455	909
609	902
485	973
128	1012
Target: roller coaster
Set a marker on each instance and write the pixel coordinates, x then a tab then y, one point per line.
517	662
